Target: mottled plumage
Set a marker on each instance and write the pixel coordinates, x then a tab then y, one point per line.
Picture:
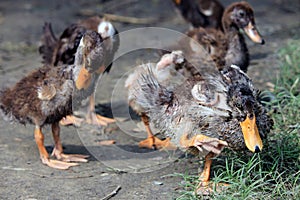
165	72
176	112
206	112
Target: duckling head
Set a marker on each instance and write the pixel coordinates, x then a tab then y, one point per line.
243	102
88	58
93	52
241	16
106	30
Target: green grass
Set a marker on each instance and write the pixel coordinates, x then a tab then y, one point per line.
275	172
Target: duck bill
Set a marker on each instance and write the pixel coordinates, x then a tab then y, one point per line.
253	34
83	79
251	135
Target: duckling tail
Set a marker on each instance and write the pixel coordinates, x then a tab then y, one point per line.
5	105
48	44
151	95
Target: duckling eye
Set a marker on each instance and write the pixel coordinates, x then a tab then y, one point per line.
251	115
241	13
241	118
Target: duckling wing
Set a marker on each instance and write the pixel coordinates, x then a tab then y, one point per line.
46	92
67	45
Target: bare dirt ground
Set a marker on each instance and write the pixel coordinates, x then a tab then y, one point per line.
141	174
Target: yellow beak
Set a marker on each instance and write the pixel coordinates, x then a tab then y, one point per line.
253	34
251	135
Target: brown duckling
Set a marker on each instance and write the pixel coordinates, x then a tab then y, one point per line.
201	13
45	96
229	47
62	51
206	113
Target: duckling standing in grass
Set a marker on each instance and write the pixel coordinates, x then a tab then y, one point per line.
62	51
206	113
45	96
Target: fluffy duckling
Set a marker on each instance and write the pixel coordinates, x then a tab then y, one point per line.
229	47
62	51
45	96
165	72
206	113
201	13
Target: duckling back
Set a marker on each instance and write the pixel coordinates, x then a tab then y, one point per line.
213	105
43	96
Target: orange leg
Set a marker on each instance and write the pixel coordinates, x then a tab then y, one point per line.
153	142
212	145
93	118
204	186
204	176
58	149
39	139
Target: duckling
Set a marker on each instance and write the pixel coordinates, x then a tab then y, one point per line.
165	72
61	51
45	96
201	13
206	113
229	47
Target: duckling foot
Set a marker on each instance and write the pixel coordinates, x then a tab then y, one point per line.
156	143
99	120
71	120
57	164
69	157
206	188
90	119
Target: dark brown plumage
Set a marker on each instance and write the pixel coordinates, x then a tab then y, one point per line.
229	47
61	51
201	13
45	96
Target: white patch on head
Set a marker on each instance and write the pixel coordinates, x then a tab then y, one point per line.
208	12
106	29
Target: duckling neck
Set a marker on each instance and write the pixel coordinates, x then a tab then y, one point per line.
237	51
78	63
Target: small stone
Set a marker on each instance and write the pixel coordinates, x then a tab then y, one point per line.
104	174
158	183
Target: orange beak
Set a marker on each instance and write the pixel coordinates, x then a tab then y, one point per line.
253	34
251	135
84	79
